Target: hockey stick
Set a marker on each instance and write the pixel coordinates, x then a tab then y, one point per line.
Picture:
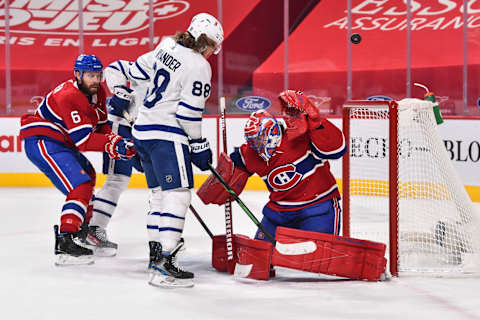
228	204
195	213
283	248
241	204
128	117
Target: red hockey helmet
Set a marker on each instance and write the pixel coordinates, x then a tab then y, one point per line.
263	133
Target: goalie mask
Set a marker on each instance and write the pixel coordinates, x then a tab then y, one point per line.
263	133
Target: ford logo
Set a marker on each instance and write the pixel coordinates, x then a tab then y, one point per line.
379	98
253	103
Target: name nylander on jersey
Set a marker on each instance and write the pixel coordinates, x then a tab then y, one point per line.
178	84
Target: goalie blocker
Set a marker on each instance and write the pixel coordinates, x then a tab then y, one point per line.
212	190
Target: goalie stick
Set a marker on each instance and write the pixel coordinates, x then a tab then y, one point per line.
283	248
200	220
228	205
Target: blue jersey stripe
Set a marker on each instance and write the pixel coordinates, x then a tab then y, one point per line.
48	115
113	67
187	118
146	77
307	164
237	159
123	70
159	127
322	155
183	104
79	135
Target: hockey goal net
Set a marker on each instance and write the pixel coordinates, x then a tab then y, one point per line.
400	187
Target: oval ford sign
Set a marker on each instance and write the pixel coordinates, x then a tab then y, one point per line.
253	103
379	97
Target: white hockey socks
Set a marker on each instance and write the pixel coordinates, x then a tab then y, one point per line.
106	199
166	218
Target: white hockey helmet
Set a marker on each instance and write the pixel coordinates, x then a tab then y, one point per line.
208	24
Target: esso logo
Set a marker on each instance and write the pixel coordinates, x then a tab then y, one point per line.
284	177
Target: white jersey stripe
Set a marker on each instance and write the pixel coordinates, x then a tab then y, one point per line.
182	168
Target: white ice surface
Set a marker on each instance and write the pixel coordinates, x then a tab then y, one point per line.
31	287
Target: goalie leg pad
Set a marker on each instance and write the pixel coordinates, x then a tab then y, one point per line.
219	251
335	255
251	255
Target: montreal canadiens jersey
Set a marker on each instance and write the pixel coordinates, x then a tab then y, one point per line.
178	84
298	174
66	115
116	74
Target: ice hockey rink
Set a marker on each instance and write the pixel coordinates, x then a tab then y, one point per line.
116	288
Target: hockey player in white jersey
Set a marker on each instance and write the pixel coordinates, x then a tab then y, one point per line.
127	95
168	137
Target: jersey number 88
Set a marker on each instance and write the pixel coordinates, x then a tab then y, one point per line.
155	95
199	88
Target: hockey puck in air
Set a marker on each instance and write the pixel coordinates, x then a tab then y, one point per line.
355	38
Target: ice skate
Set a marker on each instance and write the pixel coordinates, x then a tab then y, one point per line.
67	252
97	241
165	271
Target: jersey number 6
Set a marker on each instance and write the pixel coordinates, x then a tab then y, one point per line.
154	95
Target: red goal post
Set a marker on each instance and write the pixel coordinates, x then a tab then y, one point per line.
399	187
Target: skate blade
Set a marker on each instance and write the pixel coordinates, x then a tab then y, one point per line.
163	281
68	260
104	252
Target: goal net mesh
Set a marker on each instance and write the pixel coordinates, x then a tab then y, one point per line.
438	227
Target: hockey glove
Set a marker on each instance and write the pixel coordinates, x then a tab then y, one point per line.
200	153
119	148
294	102
122	95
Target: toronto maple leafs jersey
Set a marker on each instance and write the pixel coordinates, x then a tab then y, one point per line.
178	84
298	174
116	74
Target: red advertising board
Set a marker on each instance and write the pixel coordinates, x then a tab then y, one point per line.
44	35
318	55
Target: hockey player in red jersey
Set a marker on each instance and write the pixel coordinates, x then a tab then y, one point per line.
291	155
72	119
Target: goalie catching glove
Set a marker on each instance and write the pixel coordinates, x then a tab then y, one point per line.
119	148
212	190
296	105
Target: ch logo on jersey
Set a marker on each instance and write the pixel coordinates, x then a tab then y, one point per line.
284	177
